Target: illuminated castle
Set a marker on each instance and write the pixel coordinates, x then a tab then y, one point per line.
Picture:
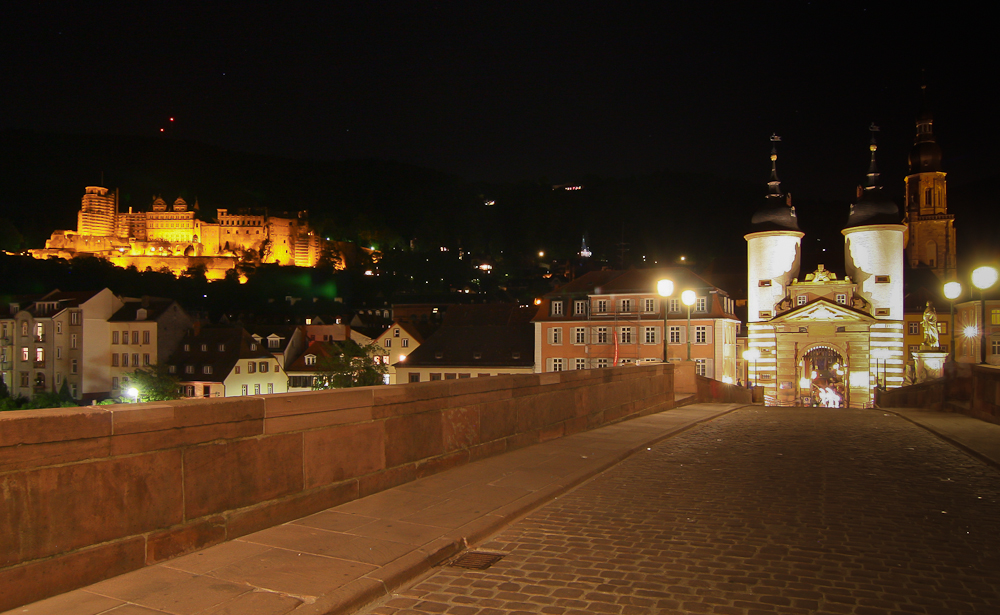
172	237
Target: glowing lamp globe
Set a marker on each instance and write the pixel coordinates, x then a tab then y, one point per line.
665	288
688	297
984	277
952	290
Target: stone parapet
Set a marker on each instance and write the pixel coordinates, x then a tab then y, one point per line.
93	492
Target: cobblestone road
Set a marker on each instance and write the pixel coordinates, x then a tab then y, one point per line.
766	510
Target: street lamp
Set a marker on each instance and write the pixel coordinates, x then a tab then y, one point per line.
688	298
983	278
664	288
133	393
952	290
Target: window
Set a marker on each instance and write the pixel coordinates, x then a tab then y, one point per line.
310	359
465	375
675	335
58	352
114	337
602	363
648	305
557	308
405	342
114	359
243	390
263	367
73	366
842	298
881	311
236	369
625	305
172	369
256	389
189	369
124	359
135	338
145	339
124	337
580	335
24	329
701	335
388	342
602	335
914	348
25	353
580	308
253	347
765	314
995	346
72	341
801	300
251	367
435	376
701	305
451	376
39	355
914	328
204	347
187	347
557	365
207	369
625	335
395	332
881	279
995	317
135	359
581	364
700	367
273	342
649	335
270	388
114	382
943	328
414	377
74	319
59	326
555	335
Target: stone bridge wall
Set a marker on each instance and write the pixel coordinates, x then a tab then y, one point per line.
89	493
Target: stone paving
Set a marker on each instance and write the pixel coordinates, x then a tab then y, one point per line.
765	510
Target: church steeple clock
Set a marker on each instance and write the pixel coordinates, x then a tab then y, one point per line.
931	241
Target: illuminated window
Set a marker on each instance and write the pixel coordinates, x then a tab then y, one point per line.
25	353
39	355
995	317
943	328
243	389
270	388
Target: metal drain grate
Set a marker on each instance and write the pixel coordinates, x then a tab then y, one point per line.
476	560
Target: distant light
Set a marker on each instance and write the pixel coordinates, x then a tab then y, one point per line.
369	272
541	254
205	296
538	301
573	188
683	258
161	130
485	267
444	249
171	119
490	203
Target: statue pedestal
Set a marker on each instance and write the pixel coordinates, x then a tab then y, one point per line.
929	364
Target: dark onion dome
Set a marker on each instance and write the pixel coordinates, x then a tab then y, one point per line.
873	206
777	213
925	155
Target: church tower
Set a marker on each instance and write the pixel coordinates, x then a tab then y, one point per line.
931	241
774	248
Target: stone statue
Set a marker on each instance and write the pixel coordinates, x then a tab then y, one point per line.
930	328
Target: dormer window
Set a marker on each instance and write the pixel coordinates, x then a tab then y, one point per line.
515	354
222	347
439	354
253	346
557	308
273	342
204	347
310	359
477	355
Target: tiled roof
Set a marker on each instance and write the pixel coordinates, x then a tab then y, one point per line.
237	344
155	307
486	335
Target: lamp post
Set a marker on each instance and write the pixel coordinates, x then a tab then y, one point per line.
952	290
664	288
752	354
983	278
688	298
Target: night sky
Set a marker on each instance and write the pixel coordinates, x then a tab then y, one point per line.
512	90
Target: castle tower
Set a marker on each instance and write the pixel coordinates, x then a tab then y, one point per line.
774	248
931	241
874	240
97	213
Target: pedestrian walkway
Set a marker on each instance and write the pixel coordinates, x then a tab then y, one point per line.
341	559
765	510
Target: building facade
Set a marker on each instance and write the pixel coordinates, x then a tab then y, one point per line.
614	318
144	332
822	336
